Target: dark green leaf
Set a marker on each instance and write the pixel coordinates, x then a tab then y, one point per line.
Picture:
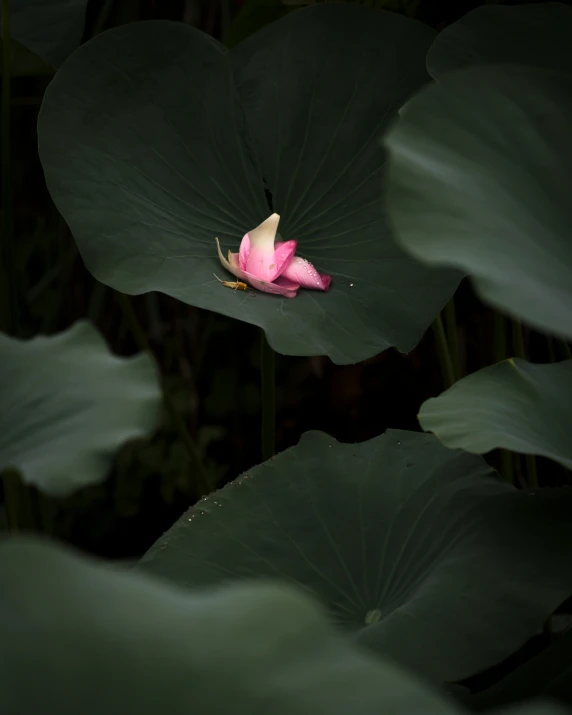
50	29
515	405
417	550
536	35
67	405
154	141
76	637
479	170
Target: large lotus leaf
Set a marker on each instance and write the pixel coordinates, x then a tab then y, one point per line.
51	29
68	404
478	178
536	35
78	637
547	674
154	140
419	551
516	405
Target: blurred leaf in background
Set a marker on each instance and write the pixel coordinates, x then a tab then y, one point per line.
44	33
68	405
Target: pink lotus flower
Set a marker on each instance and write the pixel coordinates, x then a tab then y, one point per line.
271	266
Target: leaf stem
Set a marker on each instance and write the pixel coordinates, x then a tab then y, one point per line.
203	479
507	465
563	350
268	397
518	340
10	483
450	315
500	336
8	282
500	354
443	352
8	303
519	351
531	471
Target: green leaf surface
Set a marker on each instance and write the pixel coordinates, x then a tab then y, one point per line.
418	551
479	170
68	404
77	637
154	139
535	35
50	29
514	405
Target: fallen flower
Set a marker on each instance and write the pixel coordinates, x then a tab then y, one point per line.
271	266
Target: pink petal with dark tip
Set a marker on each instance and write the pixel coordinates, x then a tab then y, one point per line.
303	272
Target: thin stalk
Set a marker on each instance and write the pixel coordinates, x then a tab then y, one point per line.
531	471
518	340
500	349
96	301
500	337
443	352
103	17
268	397
452	341
204	482
519	351
225	16
551	353
563	350
10	483
507	466
8	304
18	502
8	285
203	340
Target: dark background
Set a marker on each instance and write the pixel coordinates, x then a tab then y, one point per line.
211	362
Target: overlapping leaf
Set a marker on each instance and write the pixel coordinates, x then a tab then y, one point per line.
533	35
76	637
417	550
68	404
478	173
51	30
516	405
154	140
